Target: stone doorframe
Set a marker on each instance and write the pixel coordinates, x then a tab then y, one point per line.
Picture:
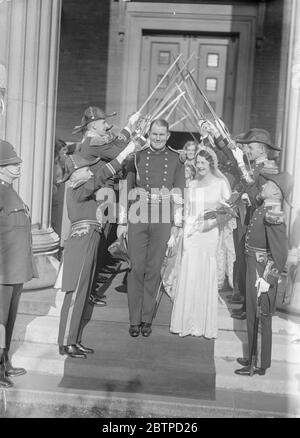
195	18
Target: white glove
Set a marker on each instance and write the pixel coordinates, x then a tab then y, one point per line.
130	148
245	199
134	118
207	127
171	242
262	285
122	229
238	155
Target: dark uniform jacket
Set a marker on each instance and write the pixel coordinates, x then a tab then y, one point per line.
156	169
82	206
267	233
151	169
17	264
107	149
253	189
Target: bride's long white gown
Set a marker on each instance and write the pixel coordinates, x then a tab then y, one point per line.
195	308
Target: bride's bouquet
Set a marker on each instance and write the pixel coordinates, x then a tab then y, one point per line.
226	208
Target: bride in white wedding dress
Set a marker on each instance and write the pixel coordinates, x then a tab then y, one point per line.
195	285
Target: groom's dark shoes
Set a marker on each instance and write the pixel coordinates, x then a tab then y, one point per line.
146	329
134	330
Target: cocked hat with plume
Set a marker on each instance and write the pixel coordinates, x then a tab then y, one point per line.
256	135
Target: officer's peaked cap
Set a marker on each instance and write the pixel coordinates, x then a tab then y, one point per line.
91	114
257	135
8	154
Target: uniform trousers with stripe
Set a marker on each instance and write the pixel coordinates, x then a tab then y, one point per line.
76	301
268	301
9	301
147	243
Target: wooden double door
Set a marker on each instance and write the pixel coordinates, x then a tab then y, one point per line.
213	65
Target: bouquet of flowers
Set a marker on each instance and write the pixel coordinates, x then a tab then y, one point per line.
226	208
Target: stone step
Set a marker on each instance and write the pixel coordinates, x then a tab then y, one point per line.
281	378
41	395
49	301
44	329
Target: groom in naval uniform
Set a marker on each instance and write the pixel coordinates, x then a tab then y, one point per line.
153	171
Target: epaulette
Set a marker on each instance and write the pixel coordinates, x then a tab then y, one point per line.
274	217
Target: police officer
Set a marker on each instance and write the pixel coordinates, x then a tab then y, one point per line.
16	258
266	249
81	248
153	170
258	147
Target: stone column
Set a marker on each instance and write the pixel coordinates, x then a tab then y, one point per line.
33	34
291	150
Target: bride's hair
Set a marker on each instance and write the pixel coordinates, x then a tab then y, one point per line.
210	155
207	155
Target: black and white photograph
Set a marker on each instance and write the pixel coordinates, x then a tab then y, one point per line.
149	212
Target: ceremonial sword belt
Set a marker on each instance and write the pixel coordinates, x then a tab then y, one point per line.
81	228
154	197
253	250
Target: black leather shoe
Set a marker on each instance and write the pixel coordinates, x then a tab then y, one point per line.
243	361
5	382
84	349
71	351
13	372
239	316
97	301
134	330
122	288
146	329
246	371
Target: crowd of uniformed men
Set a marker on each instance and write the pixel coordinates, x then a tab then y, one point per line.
98	161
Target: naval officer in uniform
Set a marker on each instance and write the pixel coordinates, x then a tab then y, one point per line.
81	248
259	148
266	250
153	172
99	141
17	264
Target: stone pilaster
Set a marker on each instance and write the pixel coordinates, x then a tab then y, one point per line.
33	33
291	150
